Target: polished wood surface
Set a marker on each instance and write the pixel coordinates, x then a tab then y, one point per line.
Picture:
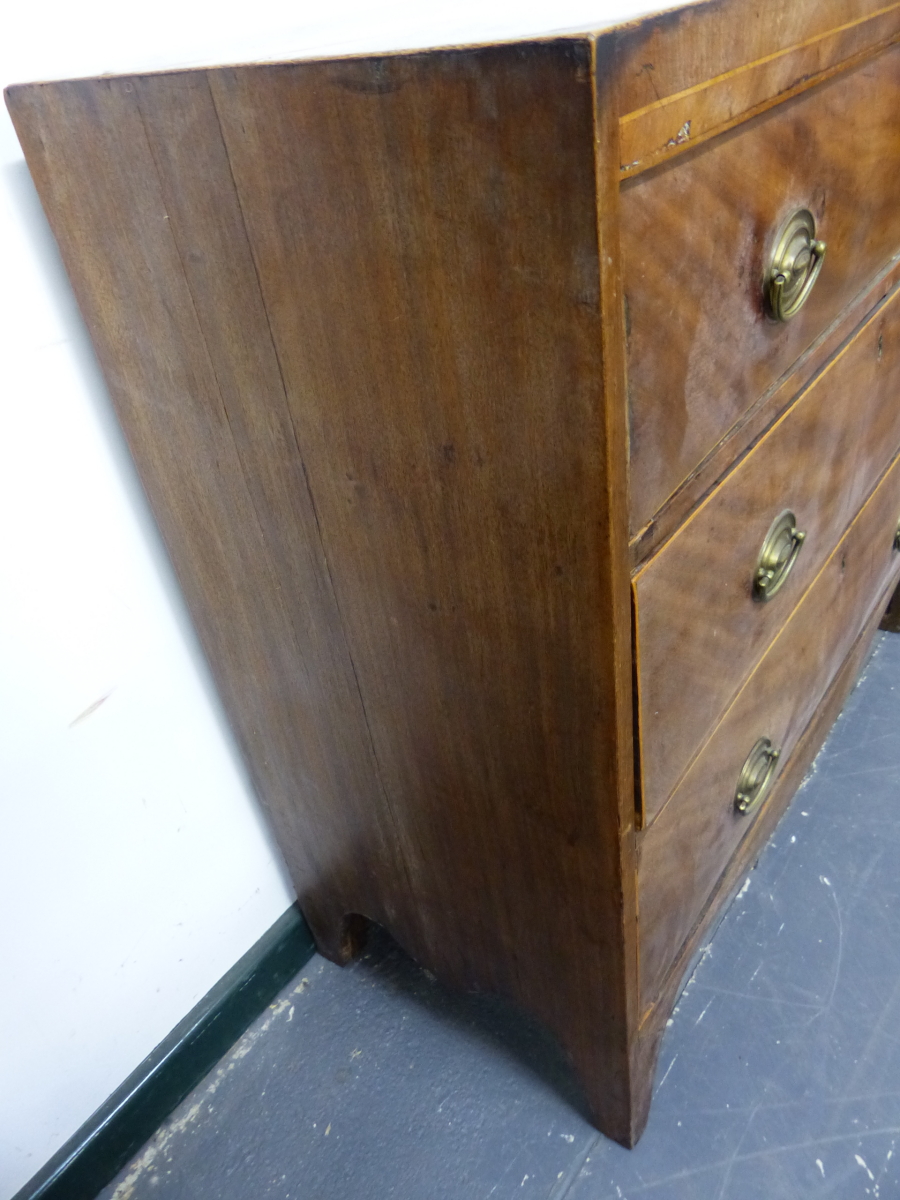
834	150
685	851
666	127
691	47
407	393
790	777
379	332
744	434
699	630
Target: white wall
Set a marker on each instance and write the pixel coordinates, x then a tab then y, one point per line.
134	865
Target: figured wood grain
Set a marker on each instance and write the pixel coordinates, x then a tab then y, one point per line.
745	433
835	150
744	858
683	854
686	48
664	128
700	631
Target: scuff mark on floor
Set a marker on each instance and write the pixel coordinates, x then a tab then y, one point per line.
864	1165
148	1161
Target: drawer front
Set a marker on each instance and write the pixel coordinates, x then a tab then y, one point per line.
700	631
684	853
697	236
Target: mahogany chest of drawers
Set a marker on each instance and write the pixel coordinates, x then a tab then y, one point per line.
522	421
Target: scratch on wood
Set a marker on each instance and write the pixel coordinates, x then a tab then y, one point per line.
681	136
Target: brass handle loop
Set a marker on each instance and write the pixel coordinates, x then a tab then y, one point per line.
756	777
777	557
796	262
897	537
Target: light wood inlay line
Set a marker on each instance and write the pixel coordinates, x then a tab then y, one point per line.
689	117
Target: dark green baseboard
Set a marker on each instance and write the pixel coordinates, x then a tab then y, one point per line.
105	1142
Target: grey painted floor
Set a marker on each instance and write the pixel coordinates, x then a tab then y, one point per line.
779	1075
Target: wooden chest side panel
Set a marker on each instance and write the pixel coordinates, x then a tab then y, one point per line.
425	234
167	286
351	318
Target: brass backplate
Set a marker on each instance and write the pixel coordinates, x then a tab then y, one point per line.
756	777
777	556
794	267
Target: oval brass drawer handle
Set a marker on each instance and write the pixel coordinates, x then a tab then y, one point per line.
795	266
777	556
756	777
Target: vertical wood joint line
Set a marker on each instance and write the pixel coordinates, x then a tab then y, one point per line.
400	843
604	53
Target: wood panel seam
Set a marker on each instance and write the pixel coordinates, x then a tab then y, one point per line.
312	501
199	324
